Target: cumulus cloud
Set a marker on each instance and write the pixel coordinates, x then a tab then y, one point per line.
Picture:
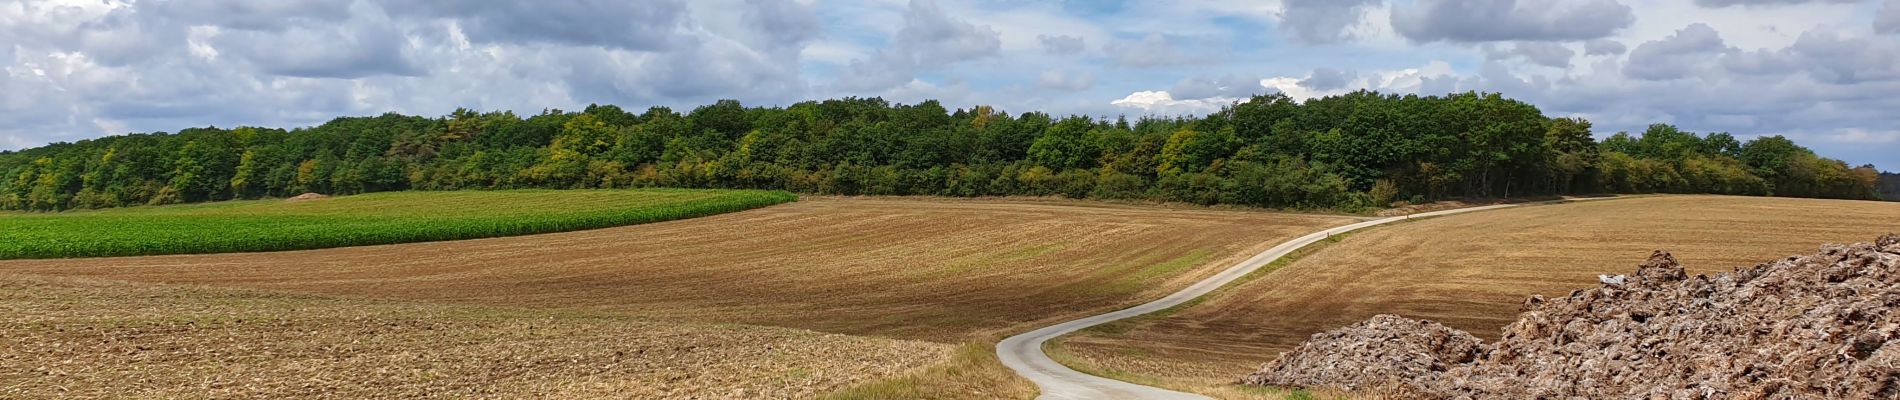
1430	78
644	25
1506	20
252	15
1326	79
1680	55
1833	58
1161	102
930	38
1604	47
1548	54
1061	44
1195	95
783	24
1057	79
1888	19
1323	21
1733	3
364	45
1825	89
1154	50
77	69
1225	86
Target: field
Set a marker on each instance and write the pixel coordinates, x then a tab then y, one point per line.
85	338
1469	271
945	271
368	219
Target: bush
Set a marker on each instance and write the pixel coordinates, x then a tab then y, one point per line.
1116	185
1384	192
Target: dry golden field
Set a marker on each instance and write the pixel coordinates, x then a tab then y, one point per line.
946	271
88	338
1469	271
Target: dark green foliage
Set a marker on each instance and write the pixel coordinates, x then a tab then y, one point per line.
1667	160
1352	151
1890	186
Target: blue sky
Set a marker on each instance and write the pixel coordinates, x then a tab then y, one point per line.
1825	72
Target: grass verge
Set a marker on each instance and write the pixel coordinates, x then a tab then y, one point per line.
973	372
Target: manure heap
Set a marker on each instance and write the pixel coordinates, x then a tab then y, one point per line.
1818	326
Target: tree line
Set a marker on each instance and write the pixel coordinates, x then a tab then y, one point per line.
1890	186
1349	152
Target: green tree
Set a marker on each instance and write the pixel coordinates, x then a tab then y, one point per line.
1065	146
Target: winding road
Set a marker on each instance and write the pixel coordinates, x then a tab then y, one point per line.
1023	353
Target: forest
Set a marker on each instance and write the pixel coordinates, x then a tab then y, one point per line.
1348	152
1890	186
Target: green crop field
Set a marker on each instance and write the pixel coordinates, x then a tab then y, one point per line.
368	219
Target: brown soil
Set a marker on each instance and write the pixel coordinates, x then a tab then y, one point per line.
87	338
1818	326
1470	272
943	270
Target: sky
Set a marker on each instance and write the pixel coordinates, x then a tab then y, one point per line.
1823	72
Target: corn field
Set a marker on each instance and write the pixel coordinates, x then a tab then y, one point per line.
369	219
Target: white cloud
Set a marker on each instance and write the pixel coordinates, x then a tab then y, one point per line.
1291	87
1209	94
1161	103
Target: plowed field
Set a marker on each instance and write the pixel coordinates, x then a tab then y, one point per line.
1468	271
87	338
911	268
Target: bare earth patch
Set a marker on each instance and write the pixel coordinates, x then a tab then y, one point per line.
1470	272
85	338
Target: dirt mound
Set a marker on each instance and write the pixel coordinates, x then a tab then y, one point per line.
308	196
1386	346
1818	326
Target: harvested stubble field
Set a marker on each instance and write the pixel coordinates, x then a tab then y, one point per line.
1470	271
366	219
911	268
88	338
942	270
